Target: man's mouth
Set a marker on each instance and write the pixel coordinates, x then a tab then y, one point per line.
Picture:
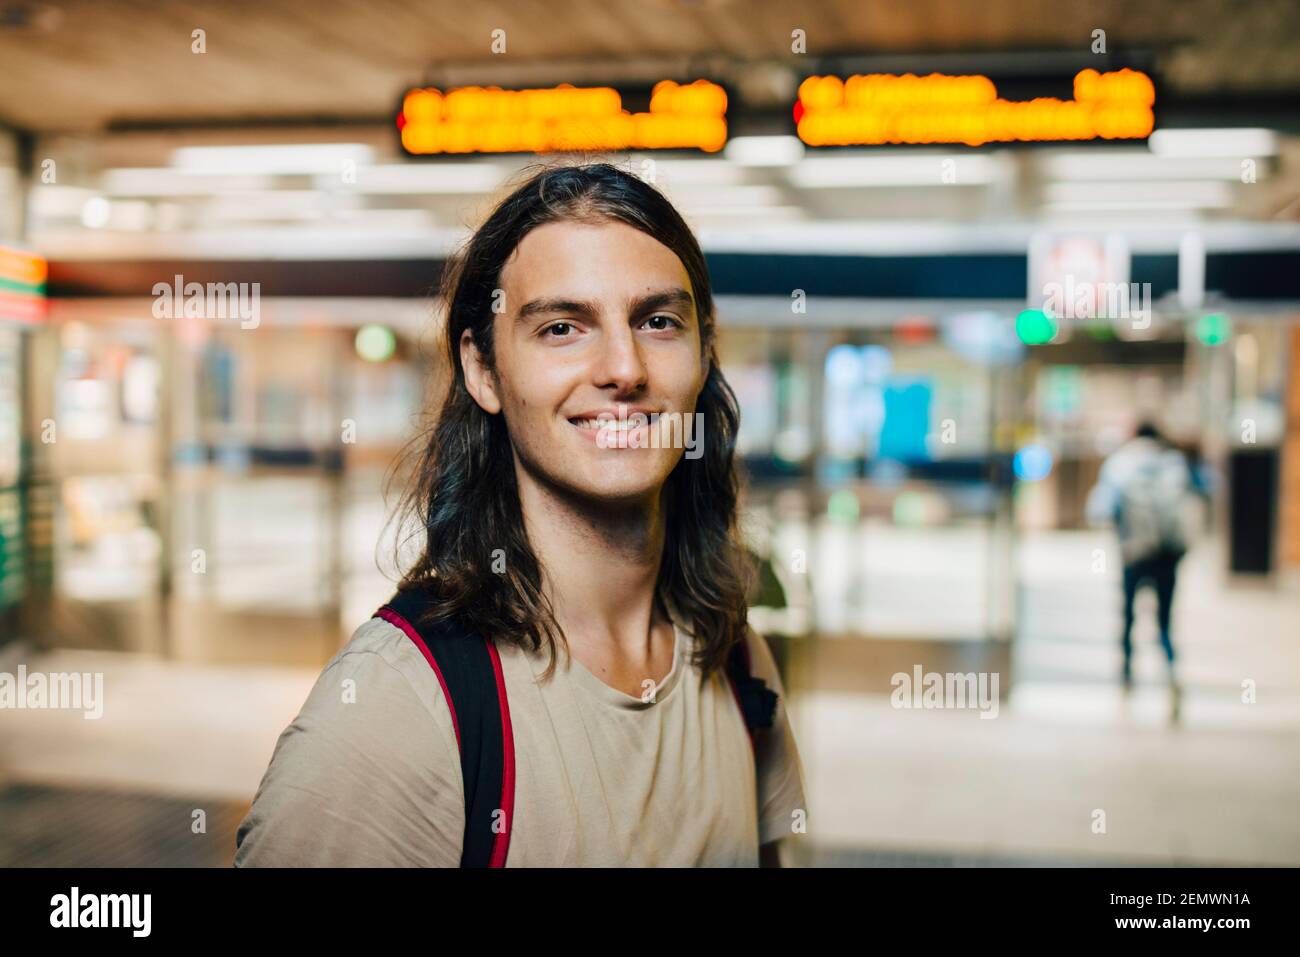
621	417
615	428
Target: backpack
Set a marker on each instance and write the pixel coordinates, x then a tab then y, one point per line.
1151	515
468	669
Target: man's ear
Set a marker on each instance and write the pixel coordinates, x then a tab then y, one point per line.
478	379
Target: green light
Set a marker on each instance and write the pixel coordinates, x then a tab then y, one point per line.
842	506
1035	327
375	343
1213	328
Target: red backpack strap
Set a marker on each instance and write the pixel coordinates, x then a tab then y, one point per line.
468	669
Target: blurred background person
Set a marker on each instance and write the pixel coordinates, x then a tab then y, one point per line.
1142	489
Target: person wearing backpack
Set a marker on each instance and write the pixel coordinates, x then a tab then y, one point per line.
565	675
1143	490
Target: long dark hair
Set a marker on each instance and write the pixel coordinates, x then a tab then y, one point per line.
476	560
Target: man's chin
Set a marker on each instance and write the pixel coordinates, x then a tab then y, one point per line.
619	492
604	480
616	486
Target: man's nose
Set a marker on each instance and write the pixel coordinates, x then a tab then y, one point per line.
620	363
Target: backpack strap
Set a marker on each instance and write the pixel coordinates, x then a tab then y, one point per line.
469	670
757	702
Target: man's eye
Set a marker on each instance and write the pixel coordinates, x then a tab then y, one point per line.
557	330
668	322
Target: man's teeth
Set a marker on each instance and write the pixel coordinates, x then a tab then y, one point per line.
613	424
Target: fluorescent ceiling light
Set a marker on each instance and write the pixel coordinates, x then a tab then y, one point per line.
764	150
433	178
295	158
56	201
905	169
751	197
404	218
1240	143
1093	166
269	205
165	181
1191	194
694	172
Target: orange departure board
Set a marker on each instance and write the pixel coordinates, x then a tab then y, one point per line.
562	118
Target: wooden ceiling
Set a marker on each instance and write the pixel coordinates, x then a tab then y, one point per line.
72	65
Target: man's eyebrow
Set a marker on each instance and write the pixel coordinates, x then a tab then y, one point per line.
539	307
660	299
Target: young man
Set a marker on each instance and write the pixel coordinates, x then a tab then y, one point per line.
577	502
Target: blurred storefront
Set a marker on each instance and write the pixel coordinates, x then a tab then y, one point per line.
210	488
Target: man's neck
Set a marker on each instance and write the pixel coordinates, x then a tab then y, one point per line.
600	565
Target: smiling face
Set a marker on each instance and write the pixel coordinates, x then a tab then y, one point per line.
599	324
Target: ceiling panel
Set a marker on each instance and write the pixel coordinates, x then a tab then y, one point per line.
78	65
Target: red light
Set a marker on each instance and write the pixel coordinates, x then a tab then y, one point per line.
914	329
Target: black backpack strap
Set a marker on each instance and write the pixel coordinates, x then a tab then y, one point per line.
469	670
756	700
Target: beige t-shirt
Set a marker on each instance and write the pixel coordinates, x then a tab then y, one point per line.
368	774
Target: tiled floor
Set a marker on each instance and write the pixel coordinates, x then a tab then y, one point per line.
61	827
168	728
1068	751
